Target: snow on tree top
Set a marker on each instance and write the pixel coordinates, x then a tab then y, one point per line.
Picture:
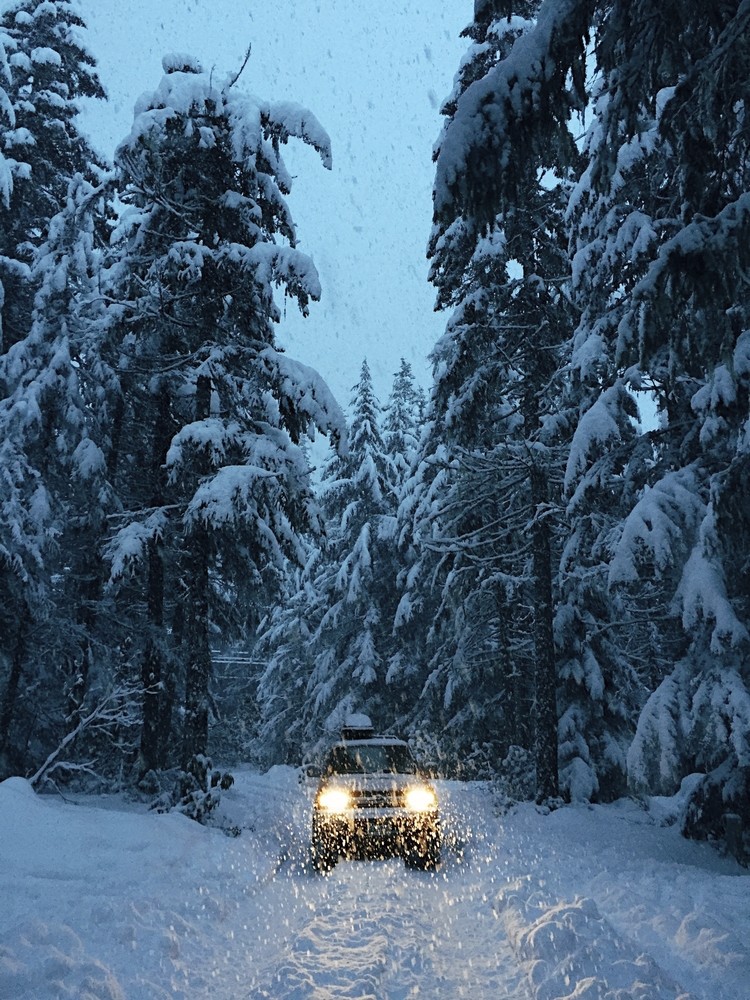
46	56
180	62
45	8
186	90
178	92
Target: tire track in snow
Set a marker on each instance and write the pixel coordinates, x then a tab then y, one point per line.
377	932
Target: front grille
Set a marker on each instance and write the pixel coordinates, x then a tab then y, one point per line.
388	798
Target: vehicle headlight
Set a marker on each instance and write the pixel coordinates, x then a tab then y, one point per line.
334	800
421	798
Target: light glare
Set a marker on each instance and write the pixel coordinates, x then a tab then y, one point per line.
334	800
421	798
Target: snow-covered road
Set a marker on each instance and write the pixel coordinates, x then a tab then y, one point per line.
371	929
374	931
103	901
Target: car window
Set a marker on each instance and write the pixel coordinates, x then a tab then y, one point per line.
371	759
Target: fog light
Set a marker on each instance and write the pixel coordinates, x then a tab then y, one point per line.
334	800
421	799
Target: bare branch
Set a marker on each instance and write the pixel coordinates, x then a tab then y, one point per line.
240	70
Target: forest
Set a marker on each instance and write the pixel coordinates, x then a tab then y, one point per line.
537	568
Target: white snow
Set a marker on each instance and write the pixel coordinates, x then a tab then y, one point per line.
129	545
45	57
358	720
105	900
661	521
703	593
597	427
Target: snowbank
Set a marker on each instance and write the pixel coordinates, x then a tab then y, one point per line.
572	952
618	906
105	900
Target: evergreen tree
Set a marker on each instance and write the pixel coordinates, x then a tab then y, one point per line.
514	114
327	646
54	494
499	259
352	643
51	477
207	454
661	257
659	220
606	648
7	120
50	70
401	424
402	428
457	652
289	725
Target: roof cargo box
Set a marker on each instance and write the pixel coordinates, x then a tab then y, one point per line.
357	727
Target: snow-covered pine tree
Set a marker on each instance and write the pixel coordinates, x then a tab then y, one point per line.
7	123
513	121
208	457
663	217
402	420
54	497
606	643
285	644
447	629
499	258
7	120
50	70
456	653
43	409
403	423
352	643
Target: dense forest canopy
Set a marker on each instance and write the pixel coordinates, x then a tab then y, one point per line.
511	568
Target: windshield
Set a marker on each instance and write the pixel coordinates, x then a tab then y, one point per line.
371	759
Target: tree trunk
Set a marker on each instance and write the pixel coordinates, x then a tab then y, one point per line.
509	676
86	593
545	674
14	681
166	711
195	738
153	741
151	668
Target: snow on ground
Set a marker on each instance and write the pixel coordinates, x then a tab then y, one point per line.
102	900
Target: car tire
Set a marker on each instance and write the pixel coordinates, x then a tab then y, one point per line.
322	860
427	862
324	851
422	855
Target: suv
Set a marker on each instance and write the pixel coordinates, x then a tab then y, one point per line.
373	802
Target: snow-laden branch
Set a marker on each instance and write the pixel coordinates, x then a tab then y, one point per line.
112	710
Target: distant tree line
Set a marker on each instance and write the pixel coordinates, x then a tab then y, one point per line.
517	570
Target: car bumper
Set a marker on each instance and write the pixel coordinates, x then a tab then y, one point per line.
364	831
